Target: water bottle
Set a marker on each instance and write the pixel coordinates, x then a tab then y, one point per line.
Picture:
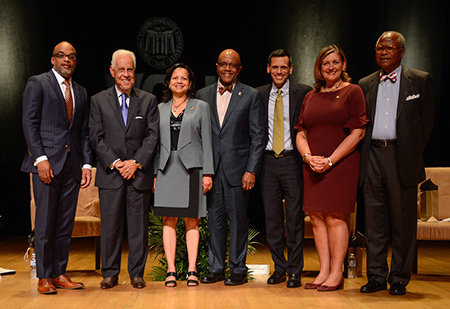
352	272
33	269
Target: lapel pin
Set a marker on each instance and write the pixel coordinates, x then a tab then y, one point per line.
239	93
192	107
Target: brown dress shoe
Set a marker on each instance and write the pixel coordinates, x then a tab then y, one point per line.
64	282
45	286
109	282
137	282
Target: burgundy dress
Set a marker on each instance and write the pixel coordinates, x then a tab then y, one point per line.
328	119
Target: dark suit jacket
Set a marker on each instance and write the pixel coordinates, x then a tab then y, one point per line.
111	140
415	117
194	142
47	129
296	94
239	143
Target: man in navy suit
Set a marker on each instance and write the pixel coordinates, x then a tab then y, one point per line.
123	126
238	137
55	124
281	175
400	106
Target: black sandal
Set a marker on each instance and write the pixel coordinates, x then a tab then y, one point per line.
174	282
192	282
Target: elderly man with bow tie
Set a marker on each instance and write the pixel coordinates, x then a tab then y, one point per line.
400	105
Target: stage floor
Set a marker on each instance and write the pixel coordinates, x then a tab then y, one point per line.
428	289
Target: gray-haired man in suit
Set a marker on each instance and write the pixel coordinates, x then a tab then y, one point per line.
55	125
400	106
123	126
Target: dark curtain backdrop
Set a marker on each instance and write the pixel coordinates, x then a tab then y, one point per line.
30	29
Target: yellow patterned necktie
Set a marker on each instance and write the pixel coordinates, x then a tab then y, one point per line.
278	126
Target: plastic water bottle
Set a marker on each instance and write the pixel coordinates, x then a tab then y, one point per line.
352	272
33	268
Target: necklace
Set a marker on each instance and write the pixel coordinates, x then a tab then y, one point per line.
322	89
176	106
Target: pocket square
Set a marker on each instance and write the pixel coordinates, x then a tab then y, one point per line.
412	97
139	117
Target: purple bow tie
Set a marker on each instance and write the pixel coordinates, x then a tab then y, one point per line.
392	76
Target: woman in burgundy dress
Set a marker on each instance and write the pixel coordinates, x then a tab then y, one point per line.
331	125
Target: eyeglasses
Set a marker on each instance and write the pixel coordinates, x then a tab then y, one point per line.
62	55
388	48
223	65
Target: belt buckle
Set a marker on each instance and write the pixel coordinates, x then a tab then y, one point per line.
385	143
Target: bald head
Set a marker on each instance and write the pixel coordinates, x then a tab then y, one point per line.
63	45
228	66
229	53
64	59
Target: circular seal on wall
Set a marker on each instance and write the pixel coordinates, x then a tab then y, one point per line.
160	42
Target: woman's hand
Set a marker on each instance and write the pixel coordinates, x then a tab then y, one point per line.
318	164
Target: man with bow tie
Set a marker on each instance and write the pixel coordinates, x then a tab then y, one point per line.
400	105
238	135
123	129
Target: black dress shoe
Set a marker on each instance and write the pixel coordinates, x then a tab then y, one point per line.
138	283
277	277
109	282
213	277
294	281
236	279
373	286
397	288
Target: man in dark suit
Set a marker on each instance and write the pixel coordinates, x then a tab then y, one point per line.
400	105
238	136
281	175
123	127
55	124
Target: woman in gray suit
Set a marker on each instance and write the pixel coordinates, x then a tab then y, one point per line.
184	166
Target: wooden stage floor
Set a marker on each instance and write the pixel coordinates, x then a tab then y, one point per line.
429	289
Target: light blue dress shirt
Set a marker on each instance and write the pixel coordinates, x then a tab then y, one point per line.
384	126
271	111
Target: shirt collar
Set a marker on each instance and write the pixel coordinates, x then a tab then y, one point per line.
284	89
119	93
398	70
219	84
59	78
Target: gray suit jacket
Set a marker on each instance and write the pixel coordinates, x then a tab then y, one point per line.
415	117
111	140
194	142
239	143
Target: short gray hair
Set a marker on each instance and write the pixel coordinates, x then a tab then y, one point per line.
401	38
122	52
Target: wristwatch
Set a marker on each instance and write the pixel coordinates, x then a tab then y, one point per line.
138	164
329	162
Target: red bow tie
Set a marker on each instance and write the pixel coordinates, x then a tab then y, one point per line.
226	88
392	76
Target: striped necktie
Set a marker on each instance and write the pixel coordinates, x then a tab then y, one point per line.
69	100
